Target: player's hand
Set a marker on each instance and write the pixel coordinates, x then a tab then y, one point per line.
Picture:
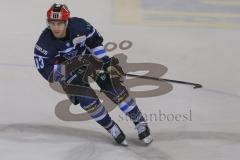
113	67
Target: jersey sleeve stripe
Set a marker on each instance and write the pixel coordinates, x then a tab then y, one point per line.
91	34
99	51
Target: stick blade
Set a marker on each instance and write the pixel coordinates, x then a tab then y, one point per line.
197	86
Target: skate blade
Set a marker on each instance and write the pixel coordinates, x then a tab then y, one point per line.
124	143
147	140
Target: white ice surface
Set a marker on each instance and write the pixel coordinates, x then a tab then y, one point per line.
30	130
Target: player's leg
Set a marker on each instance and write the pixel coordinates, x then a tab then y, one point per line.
90	103
98	112
113	88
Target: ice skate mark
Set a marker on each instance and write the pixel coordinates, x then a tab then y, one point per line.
21	131
97	142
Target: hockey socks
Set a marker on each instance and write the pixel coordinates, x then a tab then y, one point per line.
130	108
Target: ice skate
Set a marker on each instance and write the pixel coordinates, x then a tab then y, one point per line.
144	133
118	135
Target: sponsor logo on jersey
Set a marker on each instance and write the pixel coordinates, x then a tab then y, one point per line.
40	49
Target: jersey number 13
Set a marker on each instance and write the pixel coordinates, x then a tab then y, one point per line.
39	62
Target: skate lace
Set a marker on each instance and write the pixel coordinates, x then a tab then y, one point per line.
114	131
141	127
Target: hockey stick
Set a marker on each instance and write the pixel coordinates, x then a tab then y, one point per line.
74	63
196	85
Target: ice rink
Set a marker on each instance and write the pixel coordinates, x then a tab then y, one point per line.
189	40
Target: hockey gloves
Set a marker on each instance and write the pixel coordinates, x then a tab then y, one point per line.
111	65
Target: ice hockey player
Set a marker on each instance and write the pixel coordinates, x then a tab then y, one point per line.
66	38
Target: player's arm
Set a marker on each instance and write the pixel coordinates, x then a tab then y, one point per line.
47	65
94	42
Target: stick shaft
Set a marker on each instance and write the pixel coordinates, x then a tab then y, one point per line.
167	80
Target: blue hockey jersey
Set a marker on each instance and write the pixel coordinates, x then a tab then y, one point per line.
82	38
